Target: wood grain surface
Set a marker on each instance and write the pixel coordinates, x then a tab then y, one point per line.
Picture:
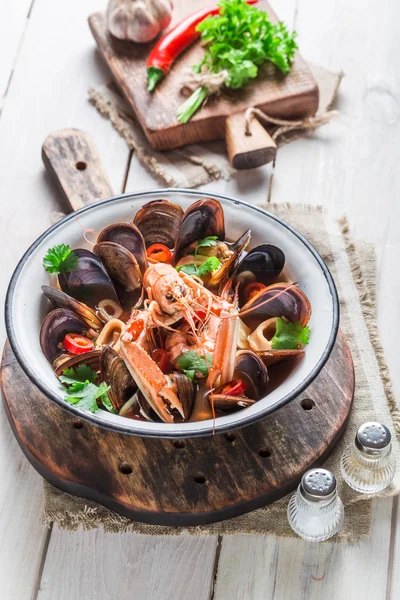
292	96
183	482
72	160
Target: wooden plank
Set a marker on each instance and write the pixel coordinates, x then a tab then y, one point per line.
98	565
254	567
47	91
12	27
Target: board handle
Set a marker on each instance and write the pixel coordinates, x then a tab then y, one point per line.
72	160
248	151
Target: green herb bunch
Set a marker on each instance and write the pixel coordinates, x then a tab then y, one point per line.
238	41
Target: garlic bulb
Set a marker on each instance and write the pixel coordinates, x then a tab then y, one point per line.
138	20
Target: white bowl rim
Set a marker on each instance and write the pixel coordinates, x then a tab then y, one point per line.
178	432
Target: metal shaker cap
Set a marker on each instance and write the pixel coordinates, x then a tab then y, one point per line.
373	438
318	485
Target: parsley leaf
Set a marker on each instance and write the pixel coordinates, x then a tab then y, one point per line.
238	41
208	266
83	392
211	240
82	373
60	259
289	336
192	363
188	269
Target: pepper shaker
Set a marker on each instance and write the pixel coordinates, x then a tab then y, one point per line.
315	511
368	464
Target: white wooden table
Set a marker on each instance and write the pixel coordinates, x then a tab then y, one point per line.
47	62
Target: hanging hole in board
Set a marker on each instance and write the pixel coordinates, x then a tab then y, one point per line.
265	453
231	437
77	425
307	404
81	165
199	478
125	468
179	444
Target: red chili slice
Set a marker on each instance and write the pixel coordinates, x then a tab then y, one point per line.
163	359
201	314
159	253
77	344
236	387
252	289
173	43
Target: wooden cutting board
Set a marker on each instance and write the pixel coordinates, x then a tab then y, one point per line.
290	97
185	482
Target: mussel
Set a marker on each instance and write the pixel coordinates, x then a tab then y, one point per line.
202	219
62	300
66	361
230	265
55	327
277	300
159	222
88	282
263	264
115	373
250	369
128	236
124	270
185	392
260	341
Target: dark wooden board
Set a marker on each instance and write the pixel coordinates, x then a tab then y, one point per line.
291	97
182	482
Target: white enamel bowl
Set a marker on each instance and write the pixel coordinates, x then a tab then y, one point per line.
26	306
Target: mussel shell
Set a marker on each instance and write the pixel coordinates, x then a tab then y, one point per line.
115	374
262	264
66	361
159	222
128	236
228	404
231	264
277	300
54	328
202	219
185	392
146	410
120	264
251	369
62	300
273	357
89	282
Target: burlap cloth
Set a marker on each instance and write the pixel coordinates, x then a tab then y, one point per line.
353	267
196	164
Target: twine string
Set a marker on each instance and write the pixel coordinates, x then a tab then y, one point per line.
285	126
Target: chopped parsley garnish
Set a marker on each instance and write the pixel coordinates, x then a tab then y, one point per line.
289	336
60	259
82	390
208	266
191	363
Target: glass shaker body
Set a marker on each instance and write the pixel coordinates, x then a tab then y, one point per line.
368	465
315	511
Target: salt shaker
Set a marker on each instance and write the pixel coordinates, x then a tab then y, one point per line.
315	511
368	464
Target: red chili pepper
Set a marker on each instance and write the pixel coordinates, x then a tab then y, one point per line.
163	359
173	43
77	344
252	289
200	314
236	387
159	253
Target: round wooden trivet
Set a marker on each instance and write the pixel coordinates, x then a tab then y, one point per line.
182	482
